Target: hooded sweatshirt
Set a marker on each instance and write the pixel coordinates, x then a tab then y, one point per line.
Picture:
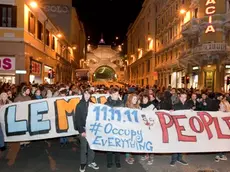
81	115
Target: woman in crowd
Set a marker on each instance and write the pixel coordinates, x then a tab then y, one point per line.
146	105
37	95
132	102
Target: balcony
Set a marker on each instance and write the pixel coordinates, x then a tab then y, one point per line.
191	27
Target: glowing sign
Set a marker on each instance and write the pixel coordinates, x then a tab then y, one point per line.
210	10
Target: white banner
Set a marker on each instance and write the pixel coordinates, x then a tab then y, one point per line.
41	119
130	130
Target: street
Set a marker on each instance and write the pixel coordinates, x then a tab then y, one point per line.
47	156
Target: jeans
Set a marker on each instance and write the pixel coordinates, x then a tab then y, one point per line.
176	157
87	154
110	157
63	140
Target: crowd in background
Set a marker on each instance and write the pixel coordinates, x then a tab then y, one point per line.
145	98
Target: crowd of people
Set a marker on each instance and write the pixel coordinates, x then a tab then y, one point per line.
135	97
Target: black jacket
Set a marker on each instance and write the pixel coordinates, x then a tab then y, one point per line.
193	105
180	106
166	102
81	115
114	103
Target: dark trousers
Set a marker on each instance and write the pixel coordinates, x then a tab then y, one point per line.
87	155
110	157
176	156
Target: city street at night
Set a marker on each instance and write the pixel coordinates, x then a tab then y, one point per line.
114	86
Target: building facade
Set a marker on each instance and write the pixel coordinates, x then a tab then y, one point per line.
141	46
32	45
192	44
101	58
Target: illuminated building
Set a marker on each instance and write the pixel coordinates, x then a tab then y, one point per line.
140	47
192	41
31	42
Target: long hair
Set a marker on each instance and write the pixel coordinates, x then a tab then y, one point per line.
129	103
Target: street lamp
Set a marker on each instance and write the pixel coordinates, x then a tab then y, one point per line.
59	35
117	38
33	4
182	11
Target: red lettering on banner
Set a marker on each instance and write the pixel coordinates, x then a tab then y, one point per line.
206	124
180	128
220	135
192	124
165	125
227	120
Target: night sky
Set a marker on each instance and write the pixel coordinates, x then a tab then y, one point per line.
110	17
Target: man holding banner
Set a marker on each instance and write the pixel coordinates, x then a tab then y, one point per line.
181	105
87	155
114	101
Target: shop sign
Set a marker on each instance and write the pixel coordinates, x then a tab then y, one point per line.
35	68
57	9
210	9
7	63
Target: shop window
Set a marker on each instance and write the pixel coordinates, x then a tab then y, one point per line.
53	43
47	38
8	16
31	23
40	31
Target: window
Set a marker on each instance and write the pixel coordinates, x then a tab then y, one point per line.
176	6
53	43
148	66
40	31
8	16
182	1
196	13
47	38
148	27
31	23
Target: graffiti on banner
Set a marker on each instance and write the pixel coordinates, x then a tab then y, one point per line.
130	130
41	119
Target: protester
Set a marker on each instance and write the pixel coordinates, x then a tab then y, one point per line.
181	105
87	155
114	101
24	96
146	105
132	102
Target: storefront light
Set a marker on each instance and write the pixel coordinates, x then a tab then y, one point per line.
20	71
227	66
195	68
59	35
209	66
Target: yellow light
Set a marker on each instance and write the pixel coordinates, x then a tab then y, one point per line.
209	66
74	48
182	11
34	4
59	35
139	49
149	39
